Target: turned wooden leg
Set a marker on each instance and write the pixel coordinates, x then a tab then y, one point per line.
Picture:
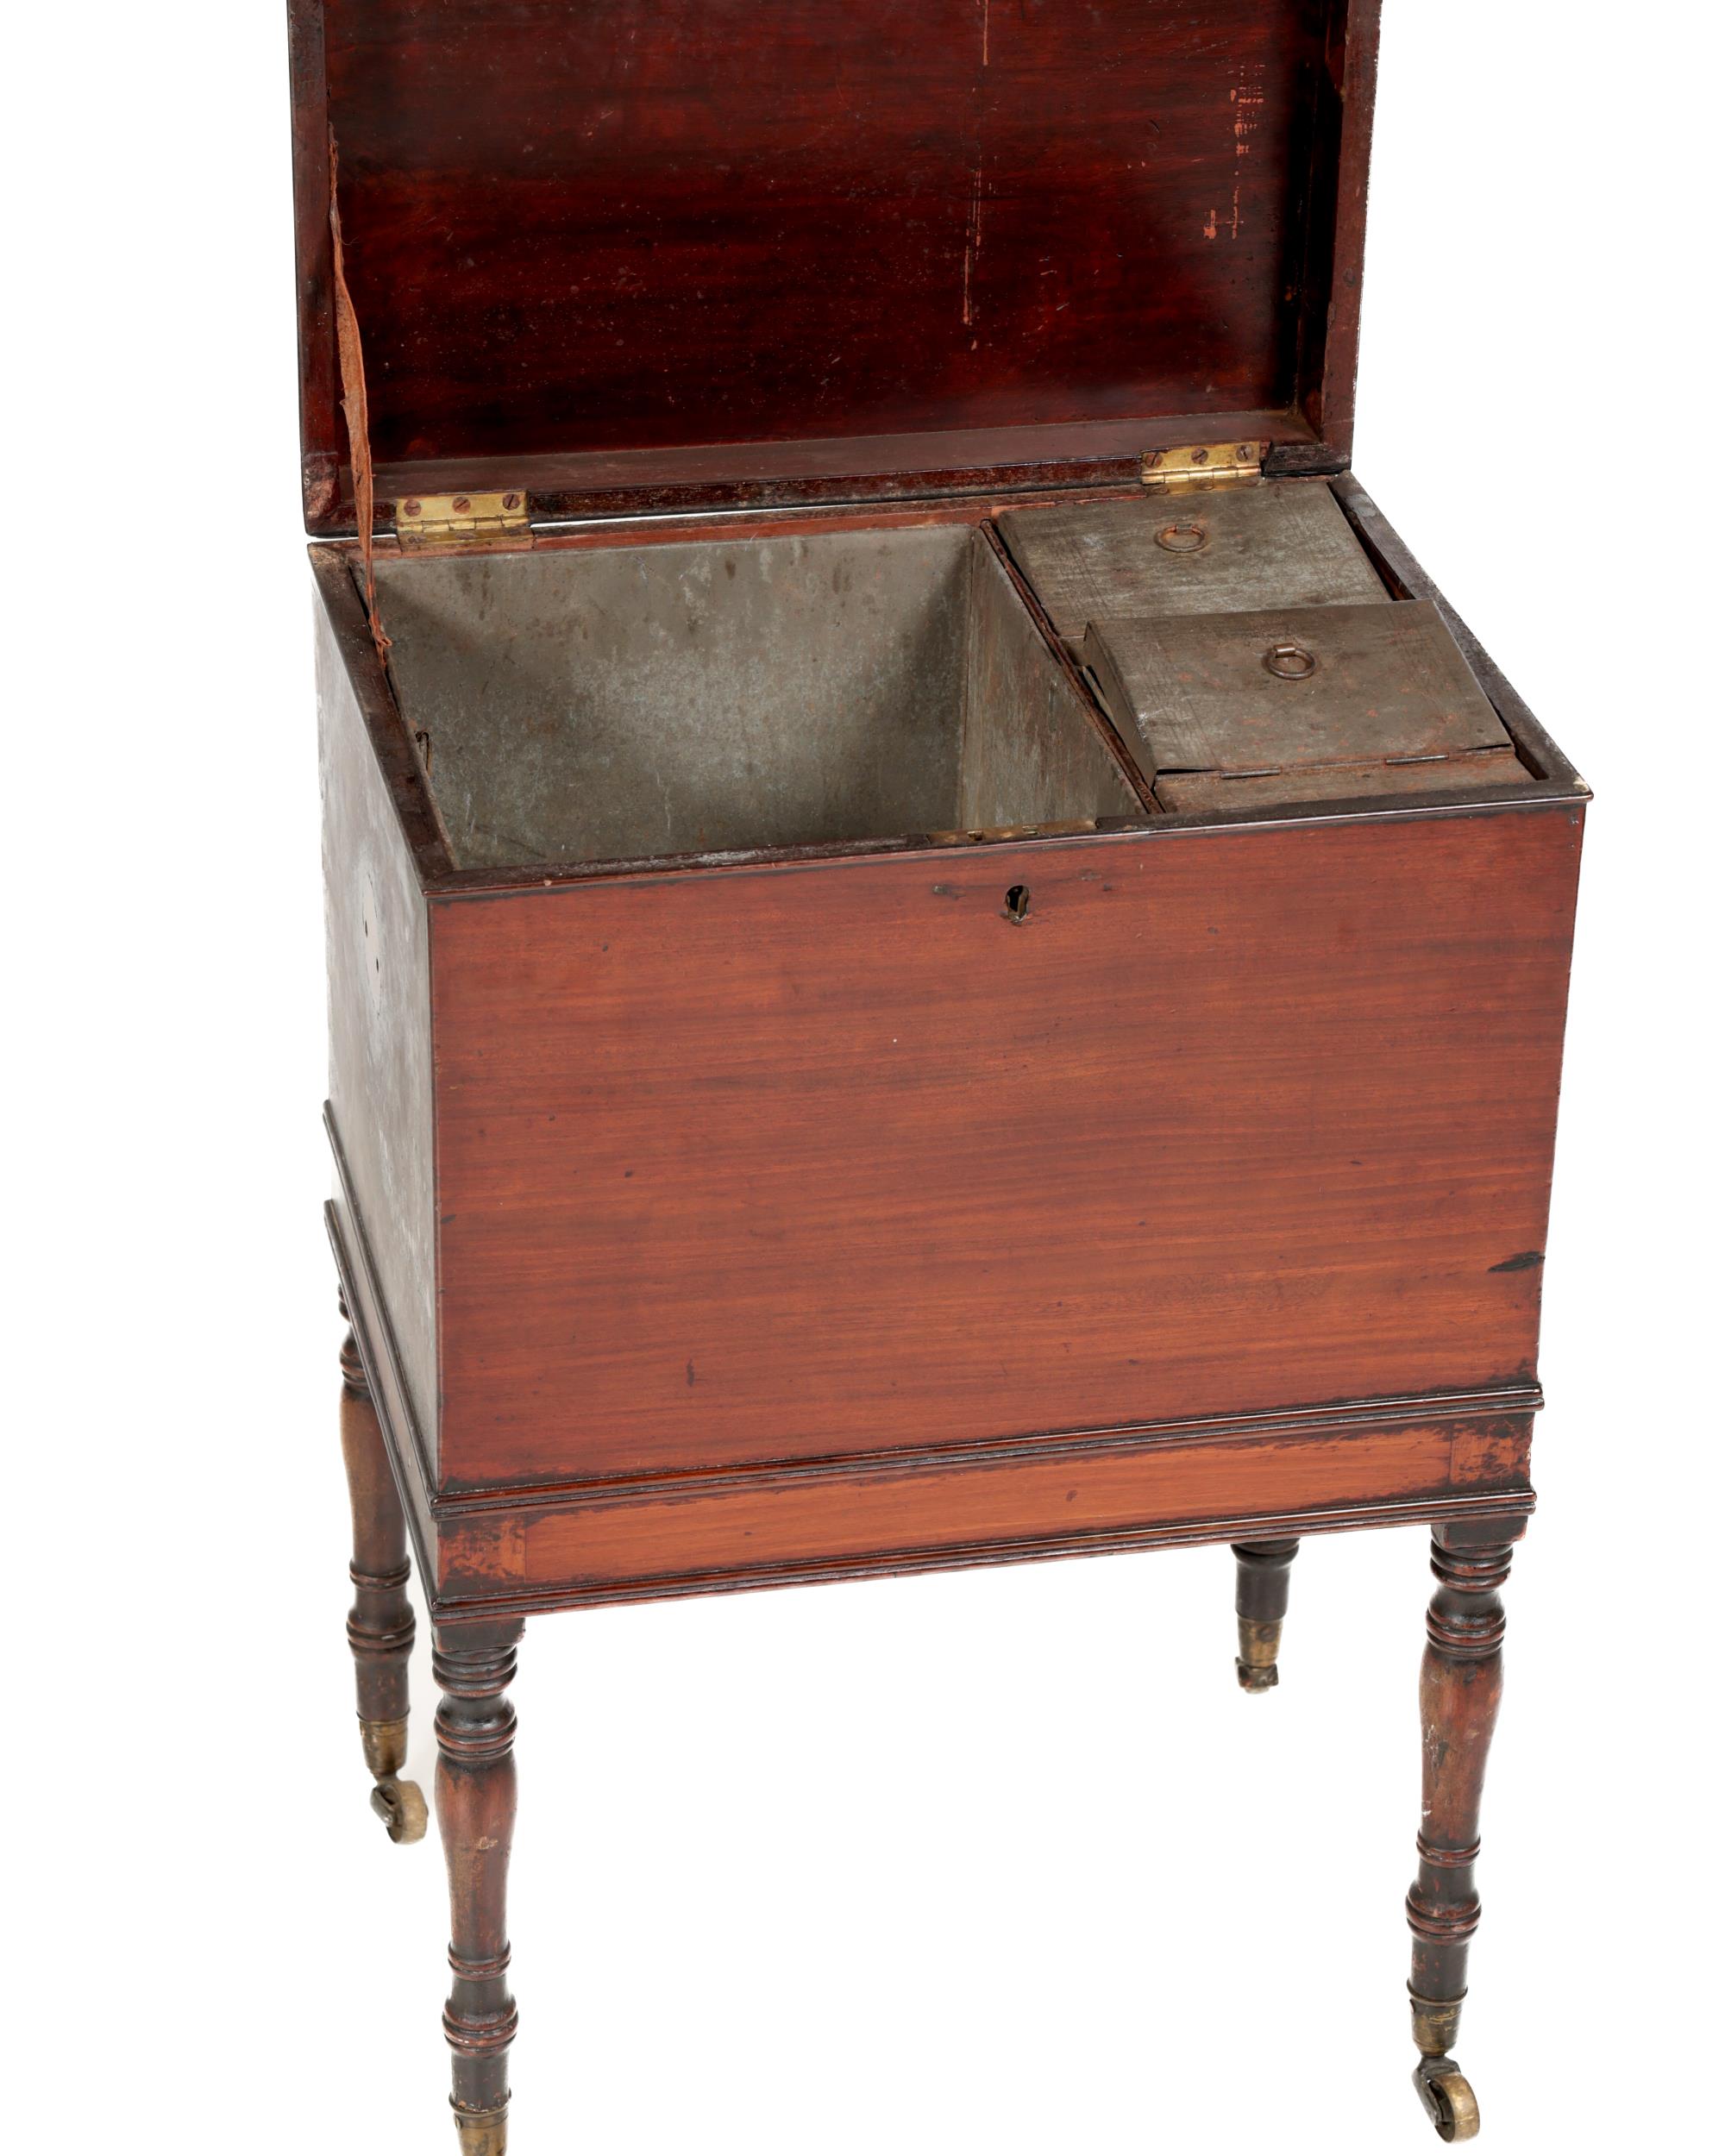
476	1665
380	1623
1461	1681
1260	1603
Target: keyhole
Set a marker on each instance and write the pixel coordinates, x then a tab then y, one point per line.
1017	902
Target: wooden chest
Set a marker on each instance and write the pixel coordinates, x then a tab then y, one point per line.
940	949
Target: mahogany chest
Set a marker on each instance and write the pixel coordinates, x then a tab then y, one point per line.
940	948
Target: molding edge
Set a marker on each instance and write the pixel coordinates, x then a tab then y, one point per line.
428	1510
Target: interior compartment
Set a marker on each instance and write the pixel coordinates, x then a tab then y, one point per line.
1318	702
1283	543
621	703
1247	652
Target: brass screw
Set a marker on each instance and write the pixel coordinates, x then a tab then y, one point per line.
410	509
461	504
1200	456
511	501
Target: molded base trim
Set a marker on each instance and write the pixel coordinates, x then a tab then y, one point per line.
1317	1471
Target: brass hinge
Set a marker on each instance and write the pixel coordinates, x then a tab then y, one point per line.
1210	463
440	520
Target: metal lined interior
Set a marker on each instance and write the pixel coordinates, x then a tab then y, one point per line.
621	703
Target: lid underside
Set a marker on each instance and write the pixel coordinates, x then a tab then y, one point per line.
632	249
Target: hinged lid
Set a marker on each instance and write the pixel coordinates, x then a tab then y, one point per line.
1348	699
1216	552
616	253
1291	687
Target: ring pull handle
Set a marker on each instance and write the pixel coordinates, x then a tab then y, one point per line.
1182	538
1289	662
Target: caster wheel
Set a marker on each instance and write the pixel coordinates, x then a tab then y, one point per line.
483	2133
401	1806
1260	1641
1448	2099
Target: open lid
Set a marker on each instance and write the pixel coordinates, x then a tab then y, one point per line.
625	253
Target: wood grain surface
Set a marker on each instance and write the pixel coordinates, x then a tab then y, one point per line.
1226	551
638	227
504	1555
1053	1502
1221	709
1360	683
748	1165
1204	793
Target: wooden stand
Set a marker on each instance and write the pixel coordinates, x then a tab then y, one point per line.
380	1624
1461	1682
476	1665
1460	1686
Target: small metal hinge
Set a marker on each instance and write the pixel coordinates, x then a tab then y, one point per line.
438	520
1210	463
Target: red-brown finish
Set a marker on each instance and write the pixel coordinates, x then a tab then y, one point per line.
1461	1682
976	234
1051	1500
959	465
474	1665
1335	222
711	1225
496	1554
748	1166
380	1624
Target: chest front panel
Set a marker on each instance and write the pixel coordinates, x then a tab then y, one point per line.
806	1162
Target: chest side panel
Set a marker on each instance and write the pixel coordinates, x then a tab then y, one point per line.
378	952
841	1158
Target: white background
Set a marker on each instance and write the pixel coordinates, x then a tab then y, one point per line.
1001	1861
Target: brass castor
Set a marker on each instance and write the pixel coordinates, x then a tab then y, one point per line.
1448	2100
400	1805
1260	1604
482	2132
1260	1642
